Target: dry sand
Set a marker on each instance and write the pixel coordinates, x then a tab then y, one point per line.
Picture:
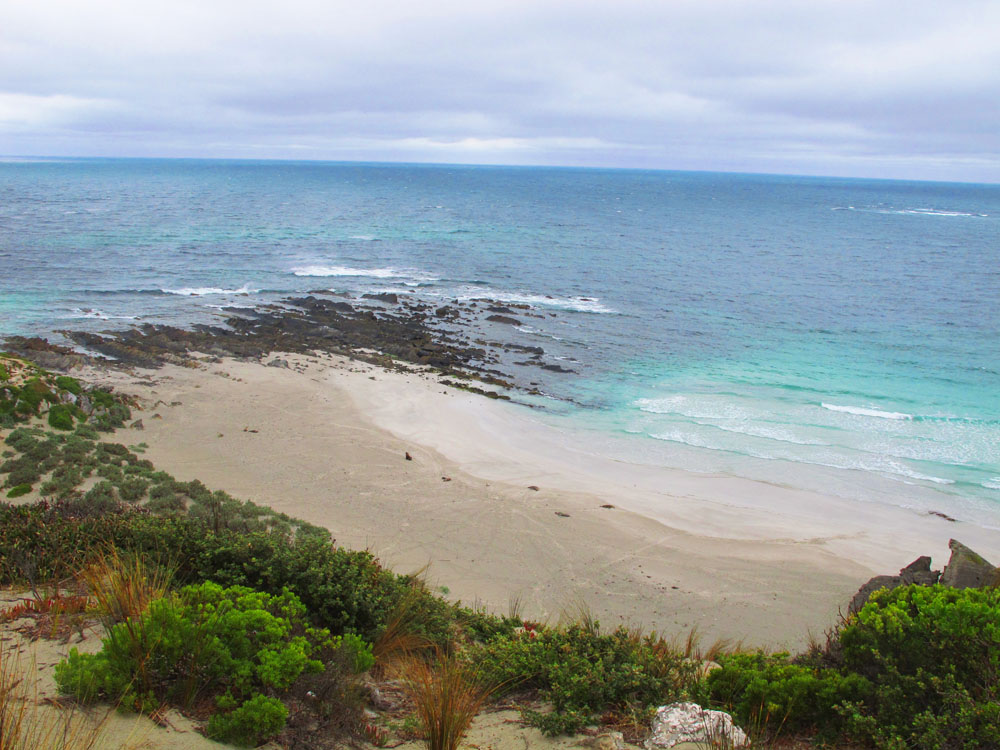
325	440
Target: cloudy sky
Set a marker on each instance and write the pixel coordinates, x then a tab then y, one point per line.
877	88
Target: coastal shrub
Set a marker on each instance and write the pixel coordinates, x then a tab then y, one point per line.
583	672
246	725
234	645
66	383
345	591
933	656
99	499
4	373
111	419
132	489
19	490
33	392
768	691
86	431
61	417
63	483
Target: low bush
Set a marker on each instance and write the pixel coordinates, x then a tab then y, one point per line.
234	646
584	673
19	490
61	417
933	656
769	692
66	383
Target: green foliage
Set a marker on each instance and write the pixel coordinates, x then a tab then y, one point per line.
61	417
345	591
66	383
258	717
18	490
583	672
4	373
204	641
484	627
768	691
933	655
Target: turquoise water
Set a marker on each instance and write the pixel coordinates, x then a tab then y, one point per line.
836	334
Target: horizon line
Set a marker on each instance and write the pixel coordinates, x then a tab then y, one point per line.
28	158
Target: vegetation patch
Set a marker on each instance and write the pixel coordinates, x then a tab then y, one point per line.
231	651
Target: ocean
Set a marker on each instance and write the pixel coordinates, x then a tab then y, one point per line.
839	335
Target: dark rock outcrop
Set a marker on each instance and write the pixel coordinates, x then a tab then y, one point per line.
966	569
506	320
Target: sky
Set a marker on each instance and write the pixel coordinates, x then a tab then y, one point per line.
879	88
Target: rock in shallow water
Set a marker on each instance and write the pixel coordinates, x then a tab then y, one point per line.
689	722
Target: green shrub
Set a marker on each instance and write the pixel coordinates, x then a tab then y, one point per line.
87	432
257	718
205	641
18	490
132	489
345	591
770	692
933	656
33	392
4	373
584	673
61	417
66	383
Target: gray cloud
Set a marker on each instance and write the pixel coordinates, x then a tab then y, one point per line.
857	88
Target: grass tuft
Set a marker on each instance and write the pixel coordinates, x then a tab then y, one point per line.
447	695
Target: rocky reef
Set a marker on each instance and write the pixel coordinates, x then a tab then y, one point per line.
391	330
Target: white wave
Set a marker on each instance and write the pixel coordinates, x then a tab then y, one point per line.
910	211
80	313
201	291
232	307
364	237
993	483
863	412
768	433
692	407
576	304
891	468
377	273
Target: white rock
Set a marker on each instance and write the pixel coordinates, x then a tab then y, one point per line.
689	722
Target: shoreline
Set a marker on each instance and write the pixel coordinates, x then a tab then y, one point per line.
325	440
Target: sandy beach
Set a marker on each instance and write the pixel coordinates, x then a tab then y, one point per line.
326	439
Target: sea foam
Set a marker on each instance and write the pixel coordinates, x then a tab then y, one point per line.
201	291
864	412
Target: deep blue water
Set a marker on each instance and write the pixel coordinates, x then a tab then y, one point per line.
829	333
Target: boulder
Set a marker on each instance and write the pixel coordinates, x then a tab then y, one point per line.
919	572
689	722
966	569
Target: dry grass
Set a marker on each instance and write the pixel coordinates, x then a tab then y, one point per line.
27	725
123	585
446	695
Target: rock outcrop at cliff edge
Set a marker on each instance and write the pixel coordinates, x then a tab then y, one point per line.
965	570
